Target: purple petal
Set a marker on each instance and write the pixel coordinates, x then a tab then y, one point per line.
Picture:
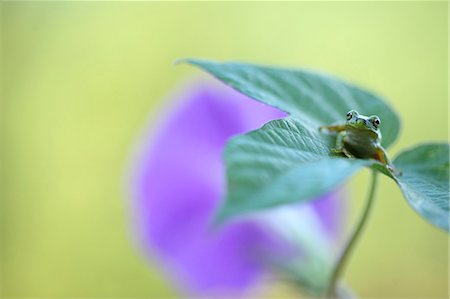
179	182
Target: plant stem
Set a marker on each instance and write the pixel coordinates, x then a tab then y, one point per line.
353	238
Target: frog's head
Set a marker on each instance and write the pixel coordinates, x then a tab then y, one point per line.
359	121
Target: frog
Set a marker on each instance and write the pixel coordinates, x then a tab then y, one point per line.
360	137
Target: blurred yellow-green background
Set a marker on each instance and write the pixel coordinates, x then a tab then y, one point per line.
82	79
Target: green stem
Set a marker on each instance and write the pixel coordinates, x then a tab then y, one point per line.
353	238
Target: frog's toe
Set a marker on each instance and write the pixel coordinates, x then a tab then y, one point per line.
347	153
337	151
394	170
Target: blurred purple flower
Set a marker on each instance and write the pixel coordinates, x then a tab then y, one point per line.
178	183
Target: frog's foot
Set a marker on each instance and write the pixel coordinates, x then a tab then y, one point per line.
337	151
393	170
341	152
347	153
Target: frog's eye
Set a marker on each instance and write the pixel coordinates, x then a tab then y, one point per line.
376	121
351	113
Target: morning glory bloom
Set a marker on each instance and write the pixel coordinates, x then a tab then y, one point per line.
178	183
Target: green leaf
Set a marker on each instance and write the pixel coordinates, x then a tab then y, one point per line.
283	162
312	97
425	181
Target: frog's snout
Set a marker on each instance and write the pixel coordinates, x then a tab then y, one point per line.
361	121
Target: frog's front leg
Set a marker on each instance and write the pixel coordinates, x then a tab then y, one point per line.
340	148
333	128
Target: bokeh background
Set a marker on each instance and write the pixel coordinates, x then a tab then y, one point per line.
81	82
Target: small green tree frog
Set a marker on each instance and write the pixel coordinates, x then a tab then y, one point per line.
360	137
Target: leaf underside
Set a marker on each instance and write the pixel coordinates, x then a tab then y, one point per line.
311	97
425	181
283	162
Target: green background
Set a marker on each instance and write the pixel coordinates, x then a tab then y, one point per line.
81	81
